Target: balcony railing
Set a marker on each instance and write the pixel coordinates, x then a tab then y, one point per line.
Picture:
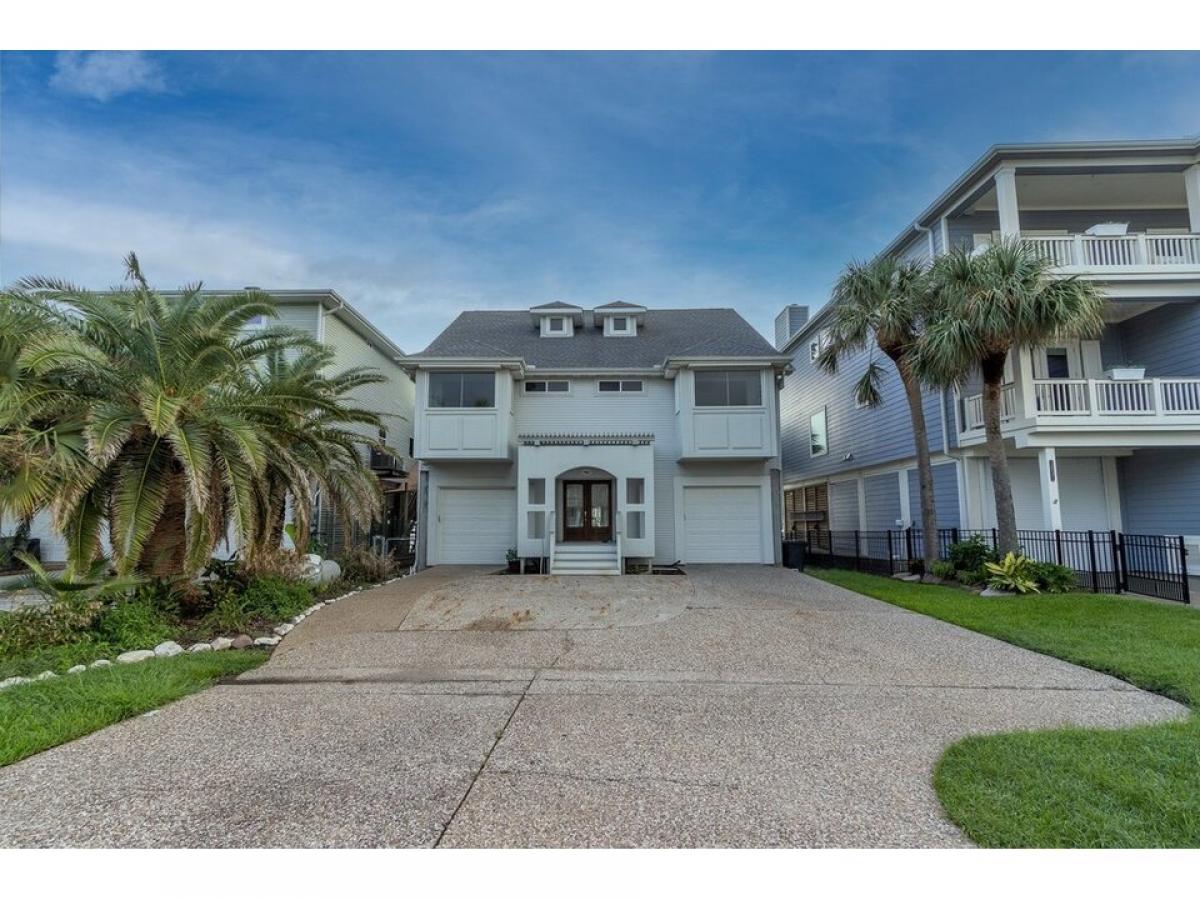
1087	251
1008	407
1095	398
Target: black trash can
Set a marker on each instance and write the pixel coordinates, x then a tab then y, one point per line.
793	554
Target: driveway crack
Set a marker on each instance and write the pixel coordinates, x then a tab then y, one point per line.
486	757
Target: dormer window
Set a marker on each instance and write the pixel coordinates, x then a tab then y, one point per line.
557	319
556	324
619	319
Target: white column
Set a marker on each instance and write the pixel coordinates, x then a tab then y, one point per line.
1006	202
1191	182
1048	476
1024	378
1112	492
902	485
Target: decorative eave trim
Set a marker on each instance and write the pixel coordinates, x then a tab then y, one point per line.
779	362
410	364
608	438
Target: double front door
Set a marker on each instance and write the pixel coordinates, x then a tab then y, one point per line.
587	511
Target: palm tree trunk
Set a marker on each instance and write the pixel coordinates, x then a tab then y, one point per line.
1006	516
164	554
916	409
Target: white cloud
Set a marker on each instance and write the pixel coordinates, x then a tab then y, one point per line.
103	75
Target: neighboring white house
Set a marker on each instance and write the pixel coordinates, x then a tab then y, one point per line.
583	438
330	320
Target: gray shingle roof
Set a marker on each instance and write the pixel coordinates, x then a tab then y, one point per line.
557	304
663	333
619	304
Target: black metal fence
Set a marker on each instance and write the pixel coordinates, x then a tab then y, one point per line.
1106	562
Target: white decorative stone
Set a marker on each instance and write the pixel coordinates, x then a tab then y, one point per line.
312	568
221	643
283	629
45	676
266	641
135	656
329	571
201	647
296	620
100	664
13	682
993	592
168	648
75	670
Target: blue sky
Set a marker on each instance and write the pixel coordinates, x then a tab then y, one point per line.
421	184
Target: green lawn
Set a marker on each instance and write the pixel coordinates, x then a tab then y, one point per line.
1138	787
40	715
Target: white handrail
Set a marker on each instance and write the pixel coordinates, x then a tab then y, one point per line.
551	535
619	524
1095	251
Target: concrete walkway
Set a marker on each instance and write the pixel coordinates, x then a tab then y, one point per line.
738	706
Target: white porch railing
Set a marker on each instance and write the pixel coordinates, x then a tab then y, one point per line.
1105	251
1069	398
1008	407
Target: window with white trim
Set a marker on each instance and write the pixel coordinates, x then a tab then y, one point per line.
735	387
818	434
462	390
818	343
556	324
547	387
620	387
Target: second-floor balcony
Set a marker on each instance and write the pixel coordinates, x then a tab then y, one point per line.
1119	252
1095	401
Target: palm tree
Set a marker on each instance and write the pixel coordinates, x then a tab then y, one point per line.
986	304
146	413
881	305
325	454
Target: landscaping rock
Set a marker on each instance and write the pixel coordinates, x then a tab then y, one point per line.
201	647
45	676
135	656
266	641
992	592
907	576
283	629
222	643
168	648
296	620
13	682
75	670
100	664
241	642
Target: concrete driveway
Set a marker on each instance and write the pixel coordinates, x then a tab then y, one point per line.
737	706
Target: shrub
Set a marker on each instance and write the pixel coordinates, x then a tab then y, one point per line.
30	628
943	569
141	621
283	565
972	576
360	564
1013	573
274	599
972	554
228	611
1053	578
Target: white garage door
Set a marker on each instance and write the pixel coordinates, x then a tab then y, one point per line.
475	525
1081	494
723	525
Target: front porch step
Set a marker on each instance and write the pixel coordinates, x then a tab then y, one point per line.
585	559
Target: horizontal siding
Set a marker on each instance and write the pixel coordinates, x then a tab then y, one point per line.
882	497
945	496
1160	491
871	436
1165	340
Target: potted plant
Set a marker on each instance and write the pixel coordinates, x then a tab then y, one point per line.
1126	372
514	561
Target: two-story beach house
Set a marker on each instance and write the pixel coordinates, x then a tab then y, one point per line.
1102	434
588	441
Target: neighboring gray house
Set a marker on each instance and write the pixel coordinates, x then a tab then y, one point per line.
589	438
1102	434
332	321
